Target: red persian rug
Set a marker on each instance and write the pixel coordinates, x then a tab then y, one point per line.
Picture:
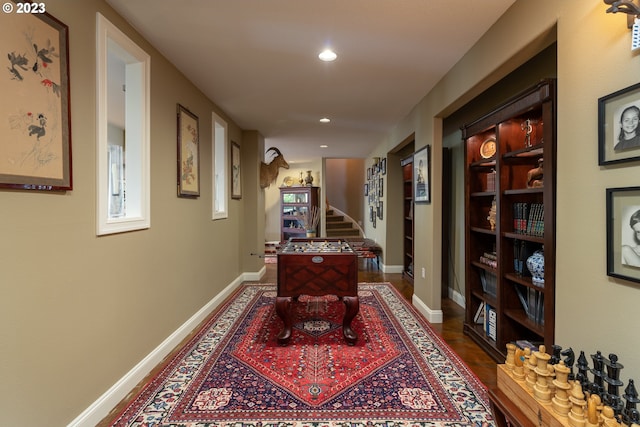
234	373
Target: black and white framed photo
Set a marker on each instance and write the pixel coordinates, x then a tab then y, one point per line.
421	175
618	130
623	233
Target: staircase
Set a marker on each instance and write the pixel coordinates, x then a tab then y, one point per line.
339	226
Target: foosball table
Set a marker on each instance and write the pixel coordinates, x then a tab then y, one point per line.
317	267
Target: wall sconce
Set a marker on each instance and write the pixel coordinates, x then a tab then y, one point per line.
630	7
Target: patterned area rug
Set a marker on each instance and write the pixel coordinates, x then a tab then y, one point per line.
233	372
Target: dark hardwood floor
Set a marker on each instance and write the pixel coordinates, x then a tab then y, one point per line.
450	330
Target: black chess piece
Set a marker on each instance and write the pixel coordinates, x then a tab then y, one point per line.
612	378
583	367
555	354
597	386
630	413
569	359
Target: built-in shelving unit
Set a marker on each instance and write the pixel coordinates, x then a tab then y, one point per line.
407	233
504	151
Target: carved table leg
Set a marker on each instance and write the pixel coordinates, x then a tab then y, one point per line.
352	305
283	308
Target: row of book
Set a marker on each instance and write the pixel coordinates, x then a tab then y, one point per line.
528	218
521	251
487	316
489	282
532	302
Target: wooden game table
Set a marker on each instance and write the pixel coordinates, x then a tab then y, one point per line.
317	267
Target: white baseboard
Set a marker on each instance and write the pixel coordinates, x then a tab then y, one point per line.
392	268
457	297
105	403
433	316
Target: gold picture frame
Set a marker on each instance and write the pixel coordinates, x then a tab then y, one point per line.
35	122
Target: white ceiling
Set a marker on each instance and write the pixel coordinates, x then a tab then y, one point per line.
257	60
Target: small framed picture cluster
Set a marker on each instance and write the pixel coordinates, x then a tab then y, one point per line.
374	189
619	145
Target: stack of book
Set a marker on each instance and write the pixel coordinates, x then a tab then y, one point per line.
490	259
528	218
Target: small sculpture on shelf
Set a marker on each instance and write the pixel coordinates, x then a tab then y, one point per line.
492	215
535	176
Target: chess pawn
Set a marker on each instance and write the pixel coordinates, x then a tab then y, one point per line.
608	417
560	401
518	370
541	388
594	407
511	351
577	415
532	377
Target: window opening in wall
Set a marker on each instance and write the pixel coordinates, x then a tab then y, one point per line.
219	162
123	182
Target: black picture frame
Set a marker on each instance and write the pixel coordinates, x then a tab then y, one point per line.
421	175
188	153
35	134
623	243
236	171
383	166
611	109
366	189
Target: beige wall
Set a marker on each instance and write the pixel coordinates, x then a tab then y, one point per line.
77	312
344	186
593	311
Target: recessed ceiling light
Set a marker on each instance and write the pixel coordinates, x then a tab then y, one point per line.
327	55
324	146
325	120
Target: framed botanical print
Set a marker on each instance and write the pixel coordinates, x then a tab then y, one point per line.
236	176
188	154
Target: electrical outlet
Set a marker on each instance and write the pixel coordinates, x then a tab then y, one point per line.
423	273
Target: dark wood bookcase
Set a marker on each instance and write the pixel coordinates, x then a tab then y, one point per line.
503	304
294	201
407	236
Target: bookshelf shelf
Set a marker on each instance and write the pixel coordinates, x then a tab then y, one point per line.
524	130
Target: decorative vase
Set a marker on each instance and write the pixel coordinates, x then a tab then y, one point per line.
535	264
311	233
308	180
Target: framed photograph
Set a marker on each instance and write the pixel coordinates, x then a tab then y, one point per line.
236	183
383	166
35	119
623	233
368	173
366	189
380	187
421	175
618	131
188	154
